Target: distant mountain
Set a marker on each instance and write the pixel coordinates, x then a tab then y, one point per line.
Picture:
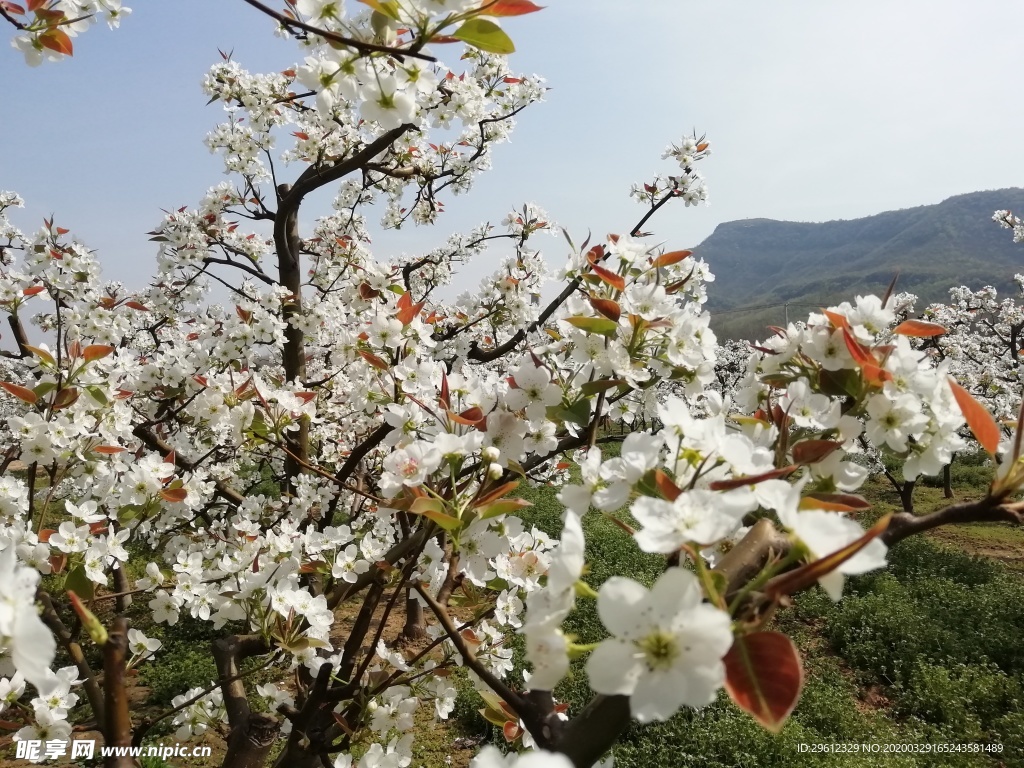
761	262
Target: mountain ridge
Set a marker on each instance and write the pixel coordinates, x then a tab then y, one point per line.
762	261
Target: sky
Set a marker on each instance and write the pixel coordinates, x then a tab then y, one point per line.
814	110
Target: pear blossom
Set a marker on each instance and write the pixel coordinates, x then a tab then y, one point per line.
23	636
666	647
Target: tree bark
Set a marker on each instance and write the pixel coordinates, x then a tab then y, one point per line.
122	585
907	496
947	481
313	726
289	265
415	623
118	722
252	734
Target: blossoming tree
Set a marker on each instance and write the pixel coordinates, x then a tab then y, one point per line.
338	438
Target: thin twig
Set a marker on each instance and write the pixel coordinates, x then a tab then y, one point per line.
513	699
359	45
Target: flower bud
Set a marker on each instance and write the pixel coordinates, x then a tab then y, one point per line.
490	453
495	471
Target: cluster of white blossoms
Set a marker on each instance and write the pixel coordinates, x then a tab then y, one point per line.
1008	220
982	345
45	30
903	400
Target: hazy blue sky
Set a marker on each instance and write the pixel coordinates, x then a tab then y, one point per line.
815	110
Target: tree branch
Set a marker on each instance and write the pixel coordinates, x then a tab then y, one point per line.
987	510
154	443
513	699
358	45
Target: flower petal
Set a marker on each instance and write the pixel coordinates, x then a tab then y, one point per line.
613	667
621	604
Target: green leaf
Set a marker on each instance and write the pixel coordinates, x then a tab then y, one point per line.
577	413
79	583
97	394
259	425
485	35
839	383
433	509
503	507
600	325
516	467
593	387
387	8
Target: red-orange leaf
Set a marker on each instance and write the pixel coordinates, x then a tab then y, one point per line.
764	676
496	493
511	8
860	354
839	321
65	397
666	487
96	352
56	40
22	393
108	450
873	374
813	451
373	360
408	314
984	427
444	398
33	290
607	307
835	502
805	576
670	258
739	482
615	280
174	494
919	328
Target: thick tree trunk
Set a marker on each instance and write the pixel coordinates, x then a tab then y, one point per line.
288	246
252	734
947	481
313	726
249	746
117	730
907	495
415	624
